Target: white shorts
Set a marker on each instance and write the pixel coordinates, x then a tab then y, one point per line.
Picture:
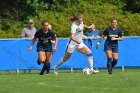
72	47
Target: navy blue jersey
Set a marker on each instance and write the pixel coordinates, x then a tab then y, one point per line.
109	32
45	39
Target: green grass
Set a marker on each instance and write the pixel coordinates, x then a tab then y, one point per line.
118	82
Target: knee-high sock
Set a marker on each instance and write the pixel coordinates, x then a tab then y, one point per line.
60	62
90	60
109	65
114	62
48	67
43	68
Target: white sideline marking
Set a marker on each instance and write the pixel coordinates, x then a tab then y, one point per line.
64	86
45	84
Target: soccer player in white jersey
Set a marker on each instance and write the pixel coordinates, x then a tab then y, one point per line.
76	42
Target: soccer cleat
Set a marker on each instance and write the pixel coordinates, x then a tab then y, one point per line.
41	73
95	71
47	73
55	70
110	72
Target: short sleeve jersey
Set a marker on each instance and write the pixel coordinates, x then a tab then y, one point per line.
77	30
45	39
109	32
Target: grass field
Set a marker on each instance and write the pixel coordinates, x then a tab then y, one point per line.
119	82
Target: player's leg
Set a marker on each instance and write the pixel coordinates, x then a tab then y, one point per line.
70	49
61	61
115	56
41	55
48	60
109	60
85	50
42	58
115	59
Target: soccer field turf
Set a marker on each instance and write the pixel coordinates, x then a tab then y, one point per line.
119	82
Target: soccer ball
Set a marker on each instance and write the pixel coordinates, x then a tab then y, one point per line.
87	71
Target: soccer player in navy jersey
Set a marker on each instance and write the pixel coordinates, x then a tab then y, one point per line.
46	37
114	34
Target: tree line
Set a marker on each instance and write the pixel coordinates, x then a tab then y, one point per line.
15	13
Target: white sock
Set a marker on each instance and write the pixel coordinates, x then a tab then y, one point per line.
90	62
60	62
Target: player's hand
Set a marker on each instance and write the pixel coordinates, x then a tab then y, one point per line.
54	49
30	48
98	37
97	45
91	26
52	41
78	42
113	38
90	38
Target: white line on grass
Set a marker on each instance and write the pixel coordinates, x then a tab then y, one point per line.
64	86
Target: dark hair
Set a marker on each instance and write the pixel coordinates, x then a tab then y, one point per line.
92	23
114	18
44	21
74	17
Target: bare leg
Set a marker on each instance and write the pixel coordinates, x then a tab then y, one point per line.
85	50
61	61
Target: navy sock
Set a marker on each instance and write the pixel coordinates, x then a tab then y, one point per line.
48	68
109	65
114	62
43	69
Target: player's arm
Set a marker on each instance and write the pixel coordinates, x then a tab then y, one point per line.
88	26
120	38
102	37
55	42
85	37
74	39
33	41
100	40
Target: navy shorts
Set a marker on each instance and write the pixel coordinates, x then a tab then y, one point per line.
109	47
44	49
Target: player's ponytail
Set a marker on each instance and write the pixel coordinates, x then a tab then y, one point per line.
70	18
74	17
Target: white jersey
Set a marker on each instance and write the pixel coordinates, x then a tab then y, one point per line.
78	31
